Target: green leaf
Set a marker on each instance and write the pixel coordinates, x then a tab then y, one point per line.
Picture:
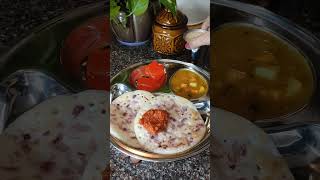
137	7
170	5
114	10
113	3
165	89
122	78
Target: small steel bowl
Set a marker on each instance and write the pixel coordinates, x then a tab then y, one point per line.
205	95
171	67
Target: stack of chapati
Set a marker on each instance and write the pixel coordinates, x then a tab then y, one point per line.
63	138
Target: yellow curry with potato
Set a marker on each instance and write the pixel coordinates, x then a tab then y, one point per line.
188	84
256	74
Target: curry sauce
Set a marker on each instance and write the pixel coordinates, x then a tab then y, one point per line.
188	84
256	74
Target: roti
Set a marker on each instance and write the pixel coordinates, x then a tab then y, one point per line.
61	138
184	130
123	112
240	150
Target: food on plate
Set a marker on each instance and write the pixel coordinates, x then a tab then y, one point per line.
241	150
258	75
96	72
163	124
122	113
154	120
85	53
183	129
61	138
188	84
149	77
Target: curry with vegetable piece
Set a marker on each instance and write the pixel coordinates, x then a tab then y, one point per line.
256	74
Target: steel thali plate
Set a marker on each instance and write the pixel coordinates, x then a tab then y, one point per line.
202	104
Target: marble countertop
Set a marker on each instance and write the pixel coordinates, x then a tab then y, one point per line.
19	17
123	167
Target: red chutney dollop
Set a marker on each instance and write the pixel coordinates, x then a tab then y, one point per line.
155	121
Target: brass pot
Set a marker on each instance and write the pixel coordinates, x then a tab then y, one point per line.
168	32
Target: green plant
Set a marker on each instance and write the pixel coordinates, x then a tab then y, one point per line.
136	7
170	5
128	7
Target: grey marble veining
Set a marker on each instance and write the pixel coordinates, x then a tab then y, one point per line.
19	17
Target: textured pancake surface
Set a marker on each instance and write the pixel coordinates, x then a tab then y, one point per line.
61	138
184	130
123	112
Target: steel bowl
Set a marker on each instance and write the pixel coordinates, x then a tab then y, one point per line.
202	104
205	95
226	12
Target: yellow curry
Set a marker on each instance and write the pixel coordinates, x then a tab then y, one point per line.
188	84
256	74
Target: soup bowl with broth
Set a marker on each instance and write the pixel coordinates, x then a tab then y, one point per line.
264	67
257	74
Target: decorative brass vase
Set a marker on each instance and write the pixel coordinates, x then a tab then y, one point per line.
168	32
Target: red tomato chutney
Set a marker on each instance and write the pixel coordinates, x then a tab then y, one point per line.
155	121
85	53
149	77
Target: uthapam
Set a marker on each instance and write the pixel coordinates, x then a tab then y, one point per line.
240	150
169	124
123	112
64	137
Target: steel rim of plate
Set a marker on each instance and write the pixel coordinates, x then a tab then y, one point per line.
68	15
86	8
98	6
148	156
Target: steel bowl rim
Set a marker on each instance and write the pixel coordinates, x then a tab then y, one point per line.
304	35
270	16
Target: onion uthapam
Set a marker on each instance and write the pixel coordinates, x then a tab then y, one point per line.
123	112
169	125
